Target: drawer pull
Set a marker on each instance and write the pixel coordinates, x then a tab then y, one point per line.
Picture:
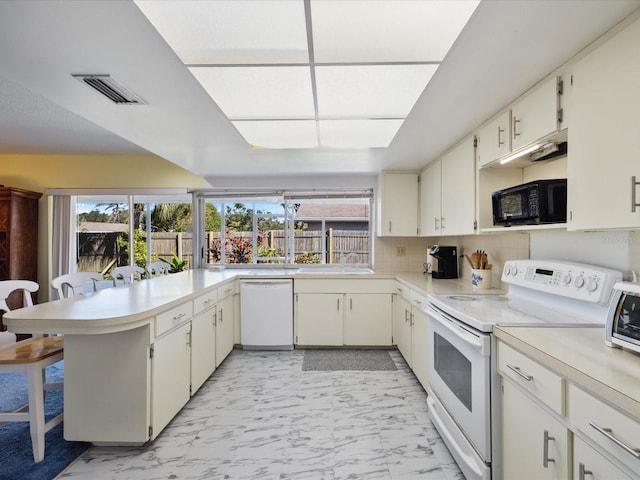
607	432
179	317
528	378
208	301
583	472
545	450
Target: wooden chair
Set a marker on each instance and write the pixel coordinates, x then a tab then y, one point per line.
126	274
30	356
73	284
155	269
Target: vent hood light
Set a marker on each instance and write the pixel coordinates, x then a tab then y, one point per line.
110	88
549	150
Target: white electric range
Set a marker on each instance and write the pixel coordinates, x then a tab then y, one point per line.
463	392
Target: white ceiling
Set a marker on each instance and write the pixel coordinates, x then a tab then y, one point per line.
503	50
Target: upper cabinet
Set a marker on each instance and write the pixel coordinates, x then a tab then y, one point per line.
447	190
494	138
397	204
604	165
537	113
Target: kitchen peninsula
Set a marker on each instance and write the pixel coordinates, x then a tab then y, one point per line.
132	352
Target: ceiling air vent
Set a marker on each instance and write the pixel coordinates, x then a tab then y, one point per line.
110	88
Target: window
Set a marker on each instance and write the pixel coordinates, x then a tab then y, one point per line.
288	229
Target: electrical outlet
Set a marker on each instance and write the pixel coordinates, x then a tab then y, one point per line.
401	251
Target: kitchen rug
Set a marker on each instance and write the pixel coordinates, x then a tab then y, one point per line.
16	455
330	360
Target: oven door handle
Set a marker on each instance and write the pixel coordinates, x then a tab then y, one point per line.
460	332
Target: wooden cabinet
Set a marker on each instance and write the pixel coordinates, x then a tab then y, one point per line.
397	204
494	138
171	376
343	312
18	238
605	138
447	188
535	114
534	444
225	317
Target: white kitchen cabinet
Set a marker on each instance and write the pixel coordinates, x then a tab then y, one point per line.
368	319
171	379
494	138
224	323
401	322
320	319
605	138
588	464
397	202
535	114
336	312
203	340
419	349
448	194
535	445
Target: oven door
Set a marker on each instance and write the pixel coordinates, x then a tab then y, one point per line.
459	376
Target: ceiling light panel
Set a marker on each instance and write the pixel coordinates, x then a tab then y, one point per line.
370	90
231	32
259	92
386	30
279	133
358	133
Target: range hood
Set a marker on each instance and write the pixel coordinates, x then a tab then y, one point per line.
550	147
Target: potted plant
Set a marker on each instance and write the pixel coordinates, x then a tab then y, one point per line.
176	264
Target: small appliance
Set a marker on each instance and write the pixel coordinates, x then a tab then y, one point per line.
533	203
446	264
623	319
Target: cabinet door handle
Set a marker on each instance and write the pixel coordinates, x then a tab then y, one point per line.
528	378
337	304
515	128
442	219
189	339
545	450
634	186
389	226
351	304
607	432
437	220
221	316
500	132
411	320
214	316
582	472
406	315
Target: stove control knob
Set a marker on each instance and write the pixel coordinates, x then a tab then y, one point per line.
579	283
592	285
566	280
514	270
507	270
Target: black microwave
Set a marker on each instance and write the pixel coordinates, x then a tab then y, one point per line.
533	203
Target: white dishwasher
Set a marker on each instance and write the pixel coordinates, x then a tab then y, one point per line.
266	314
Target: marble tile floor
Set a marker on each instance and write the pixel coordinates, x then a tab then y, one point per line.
259	416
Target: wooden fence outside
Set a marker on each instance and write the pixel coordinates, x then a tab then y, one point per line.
100	252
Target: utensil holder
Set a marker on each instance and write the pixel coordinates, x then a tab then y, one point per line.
480	279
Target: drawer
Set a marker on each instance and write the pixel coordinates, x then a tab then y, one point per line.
165	321
226	290
420	301
588	464
402	291
206	301
614	431
533	377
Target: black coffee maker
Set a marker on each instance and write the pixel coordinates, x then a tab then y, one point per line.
447	261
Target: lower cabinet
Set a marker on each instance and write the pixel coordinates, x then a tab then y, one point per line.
419	351
170	376
534	444
343	312
203	347
402	324
224	326
588	464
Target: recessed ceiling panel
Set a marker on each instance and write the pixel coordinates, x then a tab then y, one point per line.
358	133
386	30
370	90
239	31
259	92
279	133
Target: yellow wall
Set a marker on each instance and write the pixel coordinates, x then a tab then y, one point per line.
41	172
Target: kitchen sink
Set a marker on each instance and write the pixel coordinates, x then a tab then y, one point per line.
337	270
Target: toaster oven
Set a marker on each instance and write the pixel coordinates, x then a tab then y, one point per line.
623	318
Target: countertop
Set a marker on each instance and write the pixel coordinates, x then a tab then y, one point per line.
581	356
